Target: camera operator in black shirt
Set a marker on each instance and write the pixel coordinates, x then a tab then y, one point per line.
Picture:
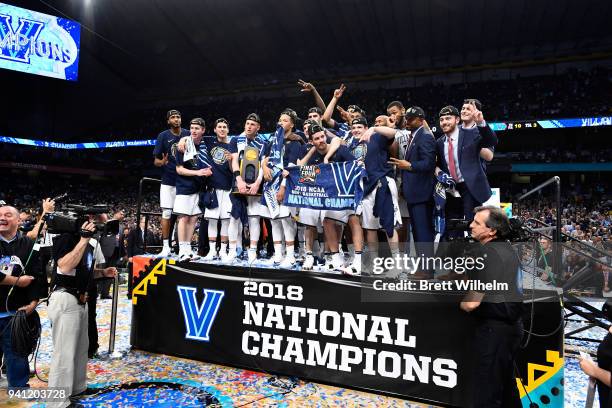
19	264
74	273
498	311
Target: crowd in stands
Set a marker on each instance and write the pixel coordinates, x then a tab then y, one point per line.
586	221
557	155
572	94
27	197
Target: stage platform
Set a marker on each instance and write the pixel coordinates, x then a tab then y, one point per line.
330	329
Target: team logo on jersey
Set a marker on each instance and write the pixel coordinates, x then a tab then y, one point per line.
308	174
199	317
360	151
218	154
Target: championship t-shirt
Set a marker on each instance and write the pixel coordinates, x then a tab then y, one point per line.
164	145
221	167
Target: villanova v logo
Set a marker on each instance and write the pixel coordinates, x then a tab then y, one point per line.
346	174
18	45
199	318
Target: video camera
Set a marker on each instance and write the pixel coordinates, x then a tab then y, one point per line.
27	226
72	216
518	232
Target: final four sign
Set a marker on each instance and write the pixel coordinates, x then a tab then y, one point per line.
38	43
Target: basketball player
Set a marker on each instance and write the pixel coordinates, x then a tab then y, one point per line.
221	184
188	184
163	158
255	210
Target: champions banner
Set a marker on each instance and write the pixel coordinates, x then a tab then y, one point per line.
275	164
332	186
38	43
317	327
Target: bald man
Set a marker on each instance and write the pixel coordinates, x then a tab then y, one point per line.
18	273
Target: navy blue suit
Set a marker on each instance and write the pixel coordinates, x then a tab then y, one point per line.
418	186
475	189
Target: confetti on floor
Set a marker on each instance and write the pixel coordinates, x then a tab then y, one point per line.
141	379
178	382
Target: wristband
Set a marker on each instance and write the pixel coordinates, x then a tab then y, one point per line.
236	173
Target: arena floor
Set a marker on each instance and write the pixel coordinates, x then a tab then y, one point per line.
232	387
229	386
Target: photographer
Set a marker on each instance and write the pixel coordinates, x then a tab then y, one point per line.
19	263
44	239
73	275
498	313
601	370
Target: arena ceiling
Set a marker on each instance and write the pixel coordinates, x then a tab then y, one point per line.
137	54
227	44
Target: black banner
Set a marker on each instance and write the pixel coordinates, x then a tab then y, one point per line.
315	326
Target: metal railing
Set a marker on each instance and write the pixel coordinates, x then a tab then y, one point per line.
556	180
146	214
113	325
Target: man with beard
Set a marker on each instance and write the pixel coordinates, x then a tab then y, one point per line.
397	120
316	156
163	158
459	154
417	168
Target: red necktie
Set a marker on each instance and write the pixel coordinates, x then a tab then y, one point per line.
451	160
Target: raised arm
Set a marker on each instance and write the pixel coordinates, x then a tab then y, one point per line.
329	110
308	87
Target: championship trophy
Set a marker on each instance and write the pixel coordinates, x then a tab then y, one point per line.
249	166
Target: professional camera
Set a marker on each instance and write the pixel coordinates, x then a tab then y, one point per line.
458	225
518	231
71	218
27	226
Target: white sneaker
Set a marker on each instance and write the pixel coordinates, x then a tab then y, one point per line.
348	258
195	256
353	269
335	263
252	256
277	258
228	258
165	252
288	262
212	254
308	262
267	262
185	257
